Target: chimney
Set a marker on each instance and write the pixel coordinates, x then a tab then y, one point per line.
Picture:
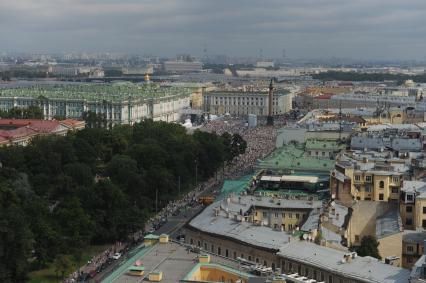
337	216
333	211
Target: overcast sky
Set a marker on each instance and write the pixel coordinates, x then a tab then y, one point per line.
381	29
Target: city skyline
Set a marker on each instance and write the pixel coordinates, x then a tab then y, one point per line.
362	29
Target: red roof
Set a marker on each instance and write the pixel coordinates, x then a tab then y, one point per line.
17	133
43	126
73	123
324	96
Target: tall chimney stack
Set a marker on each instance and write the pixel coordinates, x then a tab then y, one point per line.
270	119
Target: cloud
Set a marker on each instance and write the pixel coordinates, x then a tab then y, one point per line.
305	28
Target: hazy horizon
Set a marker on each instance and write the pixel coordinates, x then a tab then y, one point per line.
359	29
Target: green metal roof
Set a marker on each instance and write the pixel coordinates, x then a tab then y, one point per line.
325	145
151	237
235	186
136	268
115	92
292	157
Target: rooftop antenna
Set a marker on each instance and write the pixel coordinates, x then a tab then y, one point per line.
205	50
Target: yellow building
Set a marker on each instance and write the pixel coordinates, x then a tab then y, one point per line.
413	204
211	272
286	219
366	180
412	247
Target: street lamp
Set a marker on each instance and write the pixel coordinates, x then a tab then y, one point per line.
196	172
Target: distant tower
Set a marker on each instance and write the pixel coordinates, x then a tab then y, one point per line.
205	50
270	118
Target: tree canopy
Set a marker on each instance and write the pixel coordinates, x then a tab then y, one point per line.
369	247
95	186
377	77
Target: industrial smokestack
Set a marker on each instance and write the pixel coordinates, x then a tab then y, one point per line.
270	119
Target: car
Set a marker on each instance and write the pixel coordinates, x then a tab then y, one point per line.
116	256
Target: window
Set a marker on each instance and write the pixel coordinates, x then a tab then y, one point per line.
357	178
212	249
191	241
330	279
410	197
395	179
226	253
410	248
249	258
395	190
323	153
283	225
265	214
381	184
290	215
356	238
408	221
199	244
242	255
381	196
283	215
367	189
290	226
235	255
424	223
368	178
257	260
205	246
219	251
276	215
297	215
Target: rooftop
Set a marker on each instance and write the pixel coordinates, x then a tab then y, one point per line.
388	224
415	237
292	157
366	269
324	145
172	259
215	220
96	91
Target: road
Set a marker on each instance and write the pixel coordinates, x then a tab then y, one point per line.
172	227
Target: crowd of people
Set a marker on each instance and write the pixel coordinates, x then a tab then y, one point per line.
97	263
260	142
